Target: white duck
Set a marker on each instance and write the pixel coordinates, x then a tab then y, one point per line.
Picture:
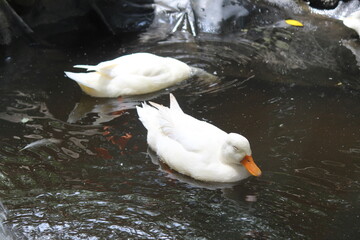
133	74
196	148
353	21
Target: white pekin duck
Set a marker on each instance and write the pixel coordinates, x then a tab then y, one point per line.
353	21
133	74
196	148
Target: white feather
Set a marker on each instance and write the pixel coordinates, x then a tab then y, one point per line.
132	74
353	21
193	147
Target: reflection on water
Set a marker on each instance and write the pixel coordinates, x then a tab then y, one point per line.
75	167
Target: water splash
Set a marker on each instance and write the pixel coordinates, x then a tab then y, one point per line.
41	142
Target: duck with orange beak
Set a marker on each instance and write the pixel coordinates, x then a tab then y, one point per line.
196	148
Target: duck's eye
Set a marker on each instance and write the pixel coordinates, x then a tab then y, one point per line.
235	148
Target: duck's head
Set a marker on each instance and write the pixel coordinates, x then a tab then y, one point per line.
237	151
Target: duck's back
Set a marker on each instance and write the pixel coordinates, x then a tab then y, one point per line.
142	73
173	127
144	64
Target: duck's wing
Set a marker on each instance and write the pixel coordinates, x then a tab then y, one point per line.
103	68
194	135
90	80
147	67
124	64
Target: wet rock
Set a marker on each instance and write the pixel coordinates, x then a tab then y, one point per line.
49	18
5	33
124	16
11	24
324	4
114	16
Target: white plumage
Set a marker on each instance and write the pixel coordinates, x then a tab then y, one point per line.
133	74
196	148
353	21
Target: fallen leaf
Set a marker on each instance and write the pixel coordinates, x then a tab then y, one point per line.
120	112
106	133
293	22
122	141
104	153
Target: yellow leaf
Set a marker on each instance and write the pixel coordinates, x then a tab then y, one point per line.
294	23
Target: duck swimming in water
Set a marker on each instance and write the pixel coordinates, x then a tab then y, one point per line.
133	74
196	148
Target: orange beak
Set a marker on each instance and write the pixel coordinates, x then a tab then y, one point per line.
250	165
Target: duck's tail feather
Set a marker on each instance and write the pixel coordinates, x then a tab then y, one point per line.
174	105
147	115
156	105
158	116
87	67
87	79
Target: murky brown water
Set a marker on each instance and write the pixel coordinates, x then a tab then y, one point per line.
293	93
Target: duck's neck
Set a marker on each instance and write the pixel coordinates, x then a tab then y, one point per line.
226	155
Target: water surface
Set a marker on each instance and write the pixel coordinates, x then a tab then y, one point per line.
294	93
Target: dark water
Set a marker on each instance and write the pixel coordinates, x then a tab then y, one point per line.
294	93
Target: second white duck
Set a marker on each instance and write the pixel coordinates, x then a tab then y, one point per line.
133	74
196	148
353	21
